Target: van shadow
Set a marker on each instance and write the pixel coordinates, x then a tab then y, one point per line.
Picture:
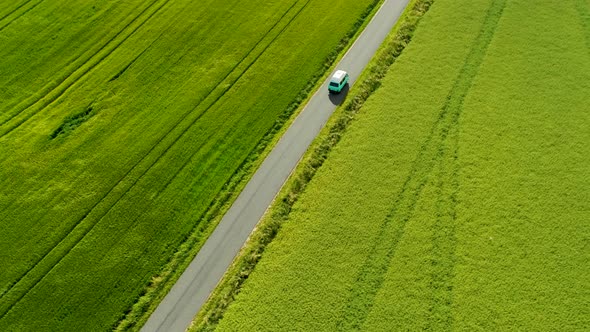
338	98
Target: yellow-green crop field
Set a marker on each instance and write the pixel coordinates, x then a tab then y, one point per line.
120	124
459	196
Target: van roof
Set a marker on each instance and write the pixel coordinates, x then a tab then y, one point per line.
338	75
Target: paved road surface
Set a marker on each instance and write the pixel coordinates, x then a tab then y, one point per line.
192	289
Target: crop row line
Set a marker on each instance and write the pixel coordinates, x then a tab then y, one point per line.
121	179
78	238
58	197
188	160
54	91
124	69
140	54
11	11
206	140
444	236
19	15
372	273
161	281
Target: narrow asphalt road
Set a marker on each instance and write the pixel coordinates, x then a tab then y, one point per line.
176	311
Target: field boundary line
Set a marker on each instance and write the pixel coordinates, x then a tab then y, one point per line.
75	226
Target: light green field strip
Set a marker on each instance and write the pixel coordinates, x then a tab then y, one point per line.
168	106
438	164
458	197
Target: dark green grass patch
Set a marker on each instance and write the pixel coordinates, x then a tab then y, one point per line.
457	196
71	122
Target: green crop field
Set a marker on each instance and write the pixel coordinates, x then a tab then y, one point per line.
459	196
120	124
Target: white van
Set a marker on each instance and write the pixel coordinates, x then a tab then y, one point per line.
338	81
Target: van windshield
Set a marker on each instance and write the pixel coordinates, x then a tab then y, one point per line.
334	84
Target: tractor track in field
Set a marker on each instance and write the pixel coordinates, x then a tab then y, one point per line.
4	309
434	151
4	24
75	64
59	89
11	11
86	61
372	273
140	54
444	241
